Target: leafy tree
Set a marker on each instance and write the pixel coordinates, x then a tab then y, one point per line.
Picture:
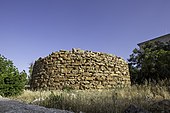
30	72
31	68
11	81
151	63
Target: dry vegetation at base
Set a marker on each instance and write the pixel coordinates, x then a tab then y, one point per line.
97	101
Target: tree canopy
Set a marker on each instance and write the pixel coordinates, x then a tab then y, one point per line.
150	63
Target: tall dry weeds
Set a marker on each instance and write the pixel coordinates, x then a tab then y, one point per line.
97	101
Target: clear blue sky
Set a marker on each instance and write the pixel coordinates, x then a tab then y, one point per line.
30	29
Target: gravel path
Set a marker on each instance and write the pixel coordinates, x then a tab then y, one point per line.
12	106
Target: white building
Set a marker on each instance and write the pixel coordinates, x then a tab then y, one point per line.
164	38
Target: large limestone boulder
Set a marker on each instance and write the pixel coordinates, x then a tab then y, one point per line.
12	106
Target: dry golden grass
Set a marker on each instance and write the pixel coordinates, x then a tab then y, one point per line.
29	96
97	101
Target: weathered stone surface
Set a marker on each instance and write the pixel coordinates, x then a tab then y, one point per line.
80	69
135	109
12	106
158	107
161	107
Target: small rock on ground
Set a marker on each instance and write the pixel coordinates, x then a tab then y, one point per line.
134	109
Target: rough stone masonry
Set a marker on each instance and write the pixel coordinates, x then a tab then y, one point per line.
79	69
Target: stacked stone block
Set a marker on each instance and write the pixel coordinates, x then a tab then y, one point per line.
78	69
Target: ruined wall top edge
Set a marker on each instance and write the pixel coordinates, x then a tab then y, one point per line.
83	53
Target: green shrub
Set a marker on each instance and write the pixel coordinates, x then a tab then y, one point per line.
67	88
11	81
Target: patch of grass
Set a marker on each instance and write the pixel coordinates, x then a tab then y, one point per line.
98	101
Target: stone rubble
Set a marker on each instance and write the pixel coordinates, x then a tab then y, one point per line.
79	69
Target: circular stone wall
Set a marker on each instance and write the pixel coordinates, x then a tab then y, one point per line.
78	69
